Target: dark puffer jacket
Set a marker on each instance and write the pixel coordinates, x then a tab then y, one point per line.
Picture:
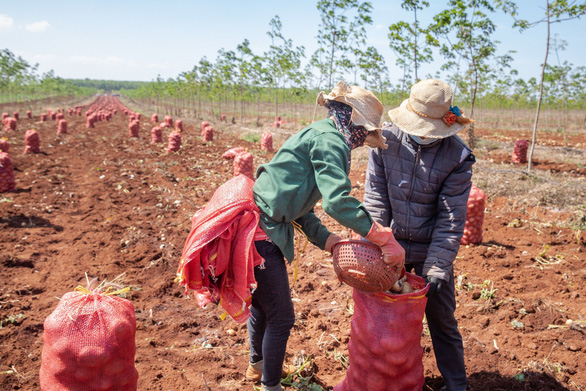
421	192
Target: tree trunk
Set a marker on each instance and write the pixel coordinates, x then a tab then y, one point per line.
534	136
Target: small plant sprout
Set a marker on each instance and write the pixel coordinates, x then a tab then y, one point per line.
486	293
542	259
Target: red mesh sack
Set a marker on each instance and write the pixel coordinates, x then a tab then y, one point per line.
385	350
4	145
88	344
156	135
155	118
43	117
168	120
232	152
15	115
7	182
133	128
10	124
4	116
174	144
266	142
474	217
59	116
32	142
62	126
243	164
29	114
520	152
208	133
203	126
179	125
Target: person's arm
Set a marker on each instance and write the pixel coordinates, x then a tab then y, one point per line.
376	196
451	218
316	232
329	157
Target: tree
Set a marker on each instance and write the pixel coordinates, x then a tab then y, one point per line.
556	11
339	35
465	30
283	60
405	41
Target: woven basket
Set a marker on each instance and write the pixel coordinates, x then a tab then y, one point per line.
360	264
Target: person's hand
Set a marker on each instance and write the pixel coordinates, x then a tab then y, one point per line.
393	253
435	284
332	239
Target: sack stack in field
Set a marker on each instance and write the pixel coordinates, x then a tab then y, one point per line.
385	350
7	182
32	142
62	126
474	217
4	145
208	133
174	144
156	135
520	152
243	164
89	343
266	142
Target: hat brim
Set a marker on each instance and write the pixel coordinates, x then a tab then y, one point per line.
412	123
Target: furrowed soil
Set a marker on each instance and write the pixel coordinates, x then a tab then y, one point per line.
97	202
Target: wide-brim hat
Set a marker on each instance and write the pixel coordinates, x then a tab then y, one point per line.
367	110
428	112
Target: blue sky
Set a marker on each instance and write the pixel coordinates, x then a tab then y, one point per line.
138	40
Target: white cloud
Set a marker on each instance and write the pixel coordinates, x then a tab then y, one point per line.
5	22
38	27
110	60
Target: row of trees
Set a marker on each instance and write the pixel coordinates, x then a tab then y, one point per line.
20	82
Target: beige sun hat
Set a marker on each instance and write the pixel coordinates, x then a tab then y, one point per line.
428	112
367	110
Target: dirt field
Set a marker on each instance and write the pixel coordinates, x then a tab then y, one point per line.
99	202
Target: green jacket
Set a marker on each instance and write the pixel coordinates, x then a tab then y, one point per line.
311	165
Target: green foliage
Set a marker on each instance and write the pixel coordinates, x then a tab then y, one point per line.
251	137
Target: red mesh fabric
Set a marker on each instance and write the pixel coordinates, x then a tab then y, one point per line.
43	117
10	124
15	115
474	217
208	133
385	350
219	255
168	120
59	116
155	118
88	344
266	142
232	152
7	182
520	152
179	125
4	116
174	144
4	145
29	114
203	126
62	126
32	142
134	128
243	164
156	135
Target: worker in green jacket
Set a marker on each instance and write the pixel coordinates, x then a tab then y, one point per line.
312	165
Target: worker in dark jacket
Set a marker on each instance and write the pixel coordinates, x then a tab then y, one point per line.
312	165
419	187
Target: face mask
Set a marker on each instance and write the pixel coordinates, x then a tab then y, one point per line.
419	141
